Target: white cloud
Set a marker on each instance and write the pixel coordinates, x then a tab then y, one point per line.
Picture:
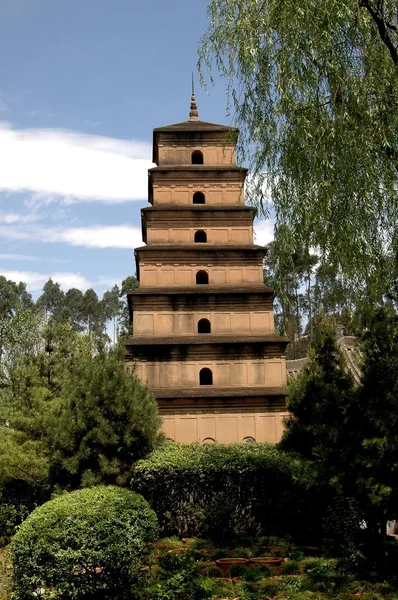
118	236
97	236
17	257
73	166
35	281
264	232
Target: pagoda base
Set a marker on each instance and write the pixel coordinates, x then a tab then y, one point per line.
225	420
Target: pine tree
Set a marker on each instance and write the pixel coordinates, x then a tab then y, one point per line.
319	401
376	430
105	422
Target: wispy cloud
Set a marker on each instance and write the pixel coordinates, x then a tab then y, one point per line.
17	257
97	236
35	281
73	166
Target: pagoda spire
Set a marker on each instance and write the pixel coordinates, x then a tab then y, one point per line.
193	113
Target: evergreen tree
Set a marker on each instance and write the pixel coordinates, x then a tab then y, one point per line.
319	402
13	295
105	422
52	300
376	419
128	285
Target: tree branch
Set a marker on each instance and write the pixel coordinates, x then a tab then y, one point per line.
382	27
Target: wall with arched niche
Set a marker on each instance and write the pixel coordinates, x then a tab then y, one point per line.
186	235
226	373
183	194
225	428
163	323
180	275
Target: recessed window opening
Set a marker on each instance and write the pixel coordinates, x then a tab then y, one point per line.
204	326
198	198
202	277
197	157
200	237
249	440
205	377
208	440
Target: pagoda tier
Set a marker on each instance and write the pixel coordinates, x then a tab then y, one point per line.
203	328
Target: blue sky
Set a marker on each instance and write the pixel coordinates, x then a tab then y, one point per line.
82	85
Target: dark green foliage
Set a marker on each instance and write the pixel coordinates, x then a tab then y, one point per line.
106	421
12	296
376	418
290	567
71	414
178	579
258	485
87	544
318	401
256	573
18	497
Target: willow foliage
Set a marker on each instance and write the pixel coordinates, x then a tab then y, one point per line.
313	86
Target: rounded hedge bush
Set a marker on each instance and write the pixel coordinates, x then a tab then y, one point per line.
92	543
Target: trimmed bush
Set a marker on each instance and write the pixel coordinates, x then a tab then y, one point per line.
88	544
227	492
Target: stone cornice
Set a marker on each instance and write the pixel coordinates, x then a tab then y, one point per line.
206	339
203	291
215	303
219	392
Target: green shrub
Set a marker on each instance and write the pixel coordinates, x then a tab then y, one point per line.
256	573
325	575
269	586
88	544
212	571
227	492
177	578
290	567
236	570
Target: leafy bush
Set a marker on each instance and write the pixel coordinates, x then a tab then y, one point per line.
178	579
87	544
257	573
227	492
290	567
325	575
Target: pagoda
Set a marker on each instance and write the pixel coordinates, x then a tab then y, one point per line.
203	326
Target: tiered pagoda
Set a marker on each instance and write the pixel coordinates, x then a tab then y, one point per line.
203	326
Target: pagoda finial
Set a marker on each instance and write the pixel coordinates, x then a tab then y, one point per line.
193	113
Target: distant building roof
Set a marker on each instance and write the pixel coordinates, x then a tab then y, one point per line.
351	352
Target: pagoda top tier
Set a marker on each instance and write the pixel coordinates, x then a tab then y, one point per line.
174	144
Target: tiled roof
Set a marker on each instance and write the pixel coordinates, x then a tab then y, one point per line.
196	125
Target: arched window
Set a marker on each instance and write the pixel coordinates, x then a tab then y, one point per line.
198	198
197	157
205	377
204	326
209	440
202	277
249	440
200	237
